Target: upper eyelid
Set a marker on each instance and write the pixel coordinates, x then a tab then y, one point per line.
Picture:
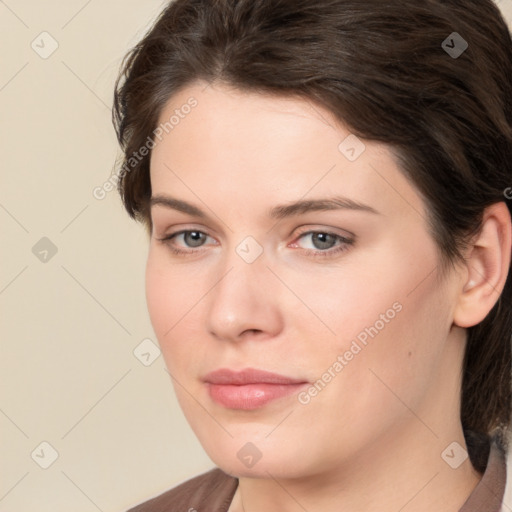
182	232
182	229
330	231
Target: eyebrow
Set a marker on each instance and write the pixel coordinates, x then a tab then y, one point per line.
277	212
315	205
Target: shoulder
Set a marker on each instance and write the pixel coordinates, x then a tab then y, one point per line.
211	491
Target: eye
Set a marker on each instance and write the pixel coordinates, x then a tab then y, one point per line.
314	243
186	241
192	238
322	243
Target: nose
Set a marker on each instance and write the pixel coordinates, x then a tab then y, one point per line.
244	303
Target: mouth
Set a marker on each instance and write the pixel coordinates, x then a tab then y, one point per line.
249	389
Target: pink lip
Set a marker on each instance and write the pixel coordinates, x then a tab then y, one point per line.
250	388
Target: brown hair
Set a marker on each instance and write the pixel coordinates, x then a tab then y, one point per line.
383	70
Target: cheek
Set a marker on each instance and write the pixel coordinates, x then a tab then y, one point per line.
158	297
171	296
364	393
388	318
332	307
400	359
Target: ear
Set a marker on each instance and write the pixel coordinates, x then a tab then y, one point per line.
486	267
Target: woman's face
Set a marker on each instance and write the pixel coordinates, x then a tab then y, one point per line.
294	250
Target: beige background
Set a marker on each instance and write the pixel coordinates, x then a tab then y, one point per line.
72	320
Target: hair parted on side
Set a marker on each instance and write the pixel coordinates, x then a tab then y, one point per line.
380	68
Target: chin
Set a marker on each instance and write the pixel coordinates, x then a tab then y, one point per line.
248	460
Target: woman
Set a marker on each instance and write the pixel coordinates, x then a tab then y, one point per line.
323	184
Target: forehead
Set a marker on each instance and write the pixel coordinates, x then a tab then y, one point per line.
237	122
250	147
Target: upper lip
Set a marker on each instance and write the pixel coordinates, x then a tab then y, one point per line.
248	376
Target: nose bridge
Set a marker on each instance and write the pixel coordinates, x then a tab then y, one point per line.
244	268
242	284
242	298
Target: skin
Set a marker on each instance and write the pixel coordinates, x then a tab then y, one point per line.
372	439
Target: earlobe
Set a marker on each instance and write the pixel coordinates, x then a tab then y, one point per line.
486	267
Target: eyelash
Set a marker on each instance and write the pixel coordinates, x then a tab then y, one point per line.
328	253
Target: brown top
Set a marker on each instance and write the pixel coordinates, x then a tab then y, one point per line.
213	491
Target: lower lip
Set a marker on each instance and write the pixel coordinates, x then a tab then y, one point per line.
250	396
